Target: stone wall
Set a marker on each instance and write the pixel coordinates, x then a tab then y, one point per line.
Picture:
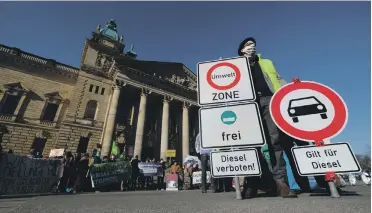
69	136
67	132
39	87
82	95
19	137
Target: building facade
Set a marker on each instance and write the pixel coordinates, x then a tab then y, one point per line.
148	107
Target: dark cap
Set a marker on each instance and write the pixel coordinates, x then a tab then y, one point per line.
241	45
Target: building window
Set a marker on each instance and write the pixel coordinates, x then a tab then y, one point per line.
12	98
50	112
102	91
83	145
10	104
38	145
90	110
97	89
53	100
91	88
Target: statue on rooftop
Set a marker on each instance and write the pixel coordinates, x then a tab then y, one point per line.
111	24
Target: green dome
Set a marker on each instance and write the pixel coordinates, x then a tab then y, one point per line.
110	30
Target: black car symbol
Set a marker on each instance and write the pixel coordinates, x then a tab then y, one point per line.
306	106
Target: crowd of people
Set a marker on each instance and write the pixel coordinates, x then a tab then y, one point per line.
75	176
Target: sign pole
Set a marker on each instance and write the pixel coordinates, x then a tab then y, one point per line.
330	176
238	193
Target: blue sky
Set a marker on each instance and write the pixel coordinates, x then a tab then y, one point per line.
327	42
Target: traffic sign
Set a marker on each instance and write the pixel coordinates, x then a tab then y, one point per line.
308	111
224	81
236	125
336	157
235	163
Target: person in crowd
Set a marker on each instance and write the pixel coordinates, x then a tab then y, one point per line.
67	170
302	181
160	180
82	170
38	155
204	158
147	179
1	152
175	168
135	172
112	158
187	176
105	159
266	82
31	153
94	159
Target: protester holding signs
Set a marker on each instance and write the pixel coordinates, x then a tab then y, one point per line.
266	82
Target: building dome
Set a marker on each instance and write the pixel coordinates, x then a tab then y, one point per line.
110	30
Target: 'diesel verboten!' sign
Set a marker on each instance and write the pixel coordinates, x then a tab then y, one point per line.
235	163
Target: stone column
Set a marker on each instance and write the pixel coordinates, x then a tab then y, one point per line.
110	122
140	125
164	129
185	131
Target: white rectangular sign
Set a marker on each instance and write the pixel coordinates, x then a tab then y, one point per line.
235	163
224	81
236	125
197	177
336	157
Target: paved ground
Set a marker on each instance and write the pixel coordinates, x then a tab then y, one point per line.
188	202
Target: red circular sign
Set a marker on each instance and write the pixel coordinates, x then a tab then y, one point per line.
335	127
223	87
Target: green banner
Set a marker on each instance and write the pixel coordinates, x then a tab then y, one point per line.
107	173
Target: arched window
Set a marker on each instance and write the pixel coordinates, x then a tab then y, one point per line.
90	110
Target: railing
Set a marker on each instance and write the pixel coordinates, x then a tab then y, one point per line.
33	58
48	123
38	59
6	117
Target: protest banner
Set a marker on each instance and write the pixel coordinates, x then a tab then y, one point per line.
25	175
197	177
107	173
56	153
150	169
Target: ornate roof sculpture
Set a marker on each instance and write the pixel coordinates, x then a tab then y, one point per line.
110	30
131	53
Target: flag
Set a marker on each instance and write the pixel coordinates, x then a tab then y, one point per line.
115	149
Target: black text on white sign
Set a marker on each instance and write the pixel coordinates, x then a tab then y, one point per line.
336	157
235	163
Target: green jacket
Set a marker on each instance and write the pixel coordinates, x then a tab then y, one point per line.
274	81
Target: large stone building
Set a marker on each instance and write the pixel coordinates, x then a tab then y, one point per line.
148	107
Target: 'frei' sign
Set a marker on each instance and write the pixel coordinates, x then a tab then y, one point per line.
236	125
225	81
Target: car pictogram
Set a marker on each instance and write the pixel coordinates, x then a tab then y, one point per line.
306	106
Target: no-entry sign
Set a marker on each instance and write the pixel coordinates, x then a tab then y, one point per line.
309	111
225	81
